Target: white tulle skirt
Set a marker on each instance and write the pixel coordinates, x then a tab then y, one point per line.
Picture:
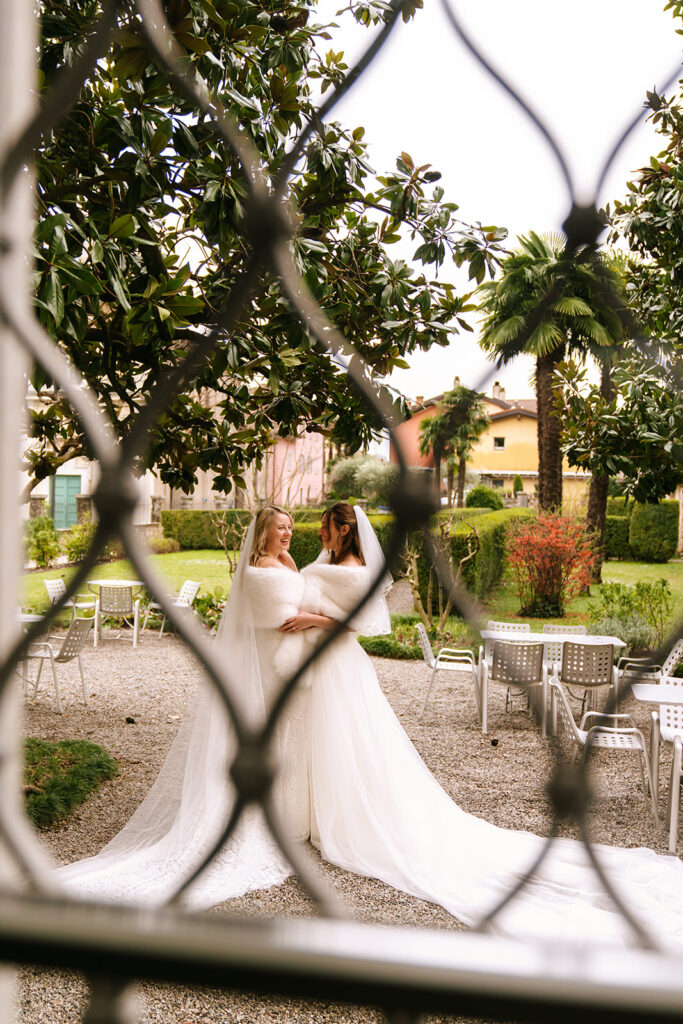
376	811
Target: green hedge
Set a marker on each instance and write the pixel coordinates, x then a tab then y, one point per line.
193	528
616	538
304	546
653	532
481	573
619	506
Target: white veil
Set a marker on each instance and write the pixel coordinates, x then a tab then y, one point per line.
375	610
184	812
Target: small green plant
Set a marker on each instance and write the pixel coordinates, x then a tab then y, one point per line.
209	607
78	540
482	496
42	541
59	776
163	545
650	603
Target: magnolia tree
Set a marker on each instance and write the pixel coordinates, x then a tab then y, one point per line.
141	239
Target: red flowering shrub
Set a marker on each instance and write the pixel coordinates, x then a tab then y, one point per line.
551	557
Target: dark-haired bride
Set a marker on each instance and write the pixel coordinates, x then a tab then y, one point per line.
350	776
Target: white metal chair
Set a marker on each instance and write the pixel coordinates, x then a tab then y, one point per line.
666	726
552	651
589	667
117	603
516	666
643	670
486	650
674	790
451	659
55	590
185	599
70	647
607	732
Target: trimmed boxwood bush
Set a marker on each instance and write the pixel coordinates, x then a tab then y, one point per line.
616	538
482	496
653	533
194	529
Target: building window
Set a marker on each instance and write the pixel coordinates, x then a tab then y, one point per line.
497	481
498	443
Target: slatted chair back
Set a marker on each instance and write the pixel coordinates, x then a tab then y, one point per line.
427	652
517	664
76	635
507	627
55	589
552	652
587	665
672	660
187	594
116	600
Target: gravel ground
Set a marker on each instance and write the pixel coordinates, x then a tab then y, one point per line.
137	699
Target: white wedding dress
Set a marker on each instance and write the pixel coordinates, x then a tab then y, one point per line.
352	776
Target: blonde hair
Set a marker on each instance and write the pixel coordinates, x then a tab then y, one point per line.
264	520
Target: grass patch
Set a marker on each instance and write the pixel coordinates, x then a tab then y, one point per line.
60	776
209	567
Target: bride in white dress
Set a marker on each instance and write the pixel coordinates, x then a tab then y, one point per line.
358	783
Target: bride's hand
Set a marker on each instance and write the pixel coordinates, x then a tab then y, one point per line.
302	620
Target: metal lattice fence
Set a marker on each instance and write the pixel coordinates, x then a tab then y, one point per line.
467	973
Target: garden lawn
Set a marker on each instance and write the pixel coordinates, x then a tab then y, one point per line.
503	603
209	567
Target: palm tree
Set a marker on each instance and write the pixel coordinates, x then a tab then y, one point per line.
468	418
548	303
433	439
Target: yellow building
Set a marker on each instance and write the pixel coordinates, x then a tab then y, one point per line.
507	448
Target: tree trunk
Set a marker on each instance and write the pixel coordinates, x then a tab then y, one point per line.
598	489
449	484
549	432
462	468
437	474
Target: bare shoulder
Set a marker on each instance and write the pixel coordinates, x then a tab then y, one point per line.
352	562
269	562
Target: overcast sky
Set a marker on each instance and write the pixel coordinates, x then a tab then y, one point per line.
583	67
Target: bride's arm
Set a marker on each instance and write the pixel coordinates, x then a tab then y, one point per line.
305	620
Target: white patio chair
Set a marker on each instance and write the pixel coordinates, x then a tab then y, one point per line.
666	725
552	651
516	666
450	659
185	599
675	791
117	603
70	647
588	667
486	649
612	732
55	590
643	670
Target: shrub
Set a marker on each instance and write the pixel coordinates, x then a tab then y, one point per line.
517	484
196	528
78	540
629	627
363	475
388	647
551	558
653	533
650	602
42	541
620	506
482	496
209	606
616	538
163	545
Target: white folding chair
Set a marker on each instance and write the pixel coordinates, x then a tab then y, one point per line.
117	603
55	590
588	667
607	732
70	647
516	666
450	659
552	651
185	599
643	670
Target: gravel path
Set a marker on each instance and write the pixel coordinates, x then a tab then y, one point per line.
137	699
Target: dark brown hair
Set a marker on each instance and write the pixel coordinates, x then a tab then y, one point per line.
343	514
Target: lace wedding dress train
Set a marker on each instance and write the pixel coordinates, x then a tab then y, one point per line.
351	774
